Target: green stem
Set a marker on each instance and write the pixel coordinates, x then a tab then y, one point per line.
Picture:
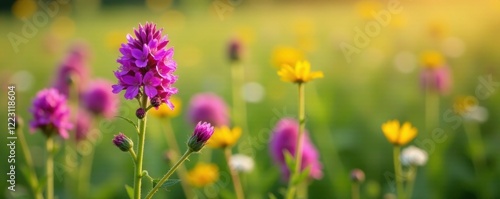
412	173
431	110
172	143
140	151
85	174
475	142
234	175
239	106
50	167
399	172
169	173
355	190
133	155
298	150
33	180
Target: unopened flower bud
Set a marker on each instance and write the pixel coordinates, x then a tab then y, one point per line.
202	132
123	142
140	113
156	101
357	175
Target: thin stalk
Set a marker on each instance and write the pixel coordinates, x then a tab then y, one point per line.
50	167
355	190
133	155
33	180
238	189
298	151
182	171
399	172
431	110
412	173
85	174
475	143
169	173
140	151
239	106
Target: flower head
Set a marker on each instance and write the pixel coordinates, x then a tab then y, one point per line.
203	174
123	142
99	100
286	56
357	175
284	138
241	163
83	122
399	135
234	50
163	110
51	113
300	72
436	79
468	107
202	132
73	69
224	137
208	107
432	59
146	66
413	155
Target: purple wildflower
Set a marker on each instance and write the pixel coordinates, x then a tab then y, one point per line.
99	100
208	107
284	138
202	132
234	50
73	69
146	66
51	113
436	79
83	122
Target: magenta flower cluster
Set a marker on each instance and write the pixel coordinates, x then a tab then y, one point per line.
99	100
51	113
284	138
146	66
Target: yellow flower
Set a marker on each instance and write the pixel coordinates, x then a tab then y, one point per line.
203	174
464	103
399	135
286	56
164	111
300	73
224	137
432	59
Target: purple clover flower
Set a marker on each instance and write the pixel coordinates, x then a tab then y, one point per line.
436	79
83	122
208	107
99	100
146	66
73	68
51	113
284	138
202	132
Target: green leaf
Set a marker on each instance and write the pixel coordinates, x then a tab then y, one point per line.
130	122
130	191
289	160
297	179
166	184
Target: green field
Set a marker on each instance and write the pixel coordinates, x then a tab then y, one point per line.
344	110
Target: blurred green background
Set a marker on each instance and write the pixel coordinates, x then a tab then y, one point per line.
344	110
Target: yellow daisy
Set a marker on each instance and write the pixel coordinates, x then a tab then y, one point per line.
432	59
399	135
203	174
299	73
224	137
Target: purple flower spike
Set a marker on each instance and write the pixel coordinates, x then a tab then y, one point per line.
51	113
99	100
146	65
73	70
83	121
284	138
208	107
202	132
